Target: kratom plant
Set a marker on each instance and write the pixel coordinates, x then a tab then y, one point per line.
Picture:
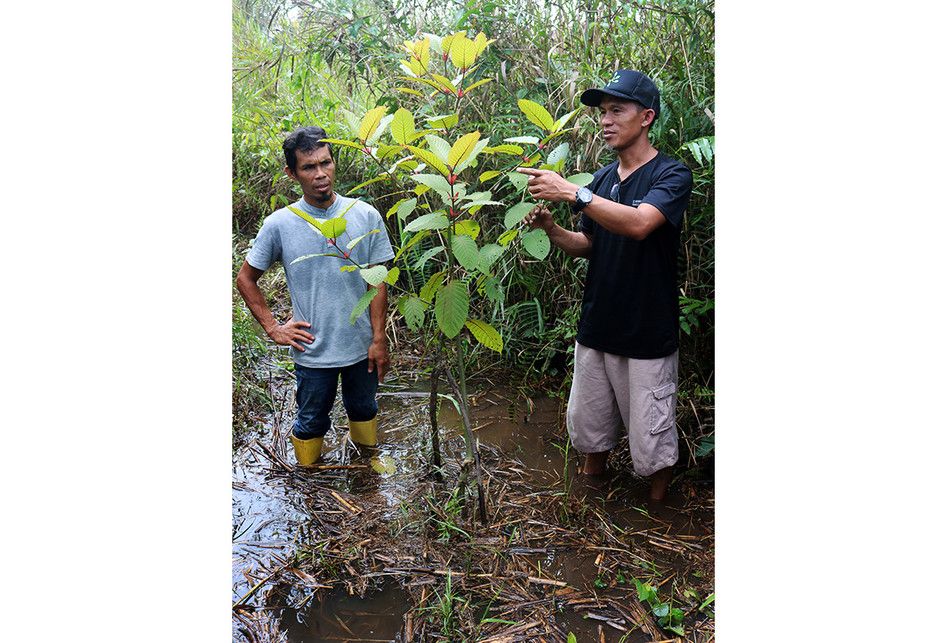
668	617
431	170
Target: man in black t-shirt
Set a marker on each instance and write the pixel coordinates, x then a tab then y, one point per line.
626	350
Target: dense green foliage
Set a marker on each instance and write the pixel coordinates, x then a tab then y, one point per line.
329	62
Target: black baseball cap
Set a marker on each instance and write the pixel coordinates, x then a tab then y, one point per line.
627	84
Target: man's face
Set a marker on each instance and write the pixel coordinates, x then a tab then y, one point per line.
622	121
315	173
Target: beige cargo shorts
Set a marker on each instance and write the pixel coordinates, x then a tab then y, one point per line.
609	391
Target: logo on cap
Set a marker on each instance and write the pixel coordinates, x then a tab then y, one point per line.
615	79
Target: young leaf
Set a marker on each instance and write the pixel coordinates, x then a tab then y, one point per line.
466	251
338	141
451	308
490	174
379	130
430	159
370	122
374	275
332	228
462	148
354	242
537	114
348	268
515	150
393	274
312	221
362	305
402	126
433	284
443	122
464	163
536	243
517	213
439	147
485	334
560	123
475	85
412	92
431	221
469	227
506	237
462	53
445	83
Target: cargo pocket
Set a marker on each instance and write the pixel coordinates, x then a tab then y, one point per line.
662	408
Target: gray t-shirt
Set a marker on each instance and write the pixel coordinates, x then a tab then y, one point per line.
321	293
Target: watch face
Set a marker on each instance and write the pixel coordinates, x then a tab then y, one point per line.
584	196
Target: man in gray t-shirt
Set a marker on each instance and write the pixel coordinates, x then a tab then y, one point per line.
323	343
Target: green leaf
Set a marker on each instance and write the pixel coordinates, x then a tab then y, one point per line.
338	141
383	464
489	253
305	216
332	228
430	159
374	275
709	599
402	126
394	208
348	268
560	123
393	274
572	638
537	114
433	284
439	147
354	242
519	181
466	251
536	243
465	163
493	289
406	208
483	81
379	130
534	140
362	305
319	254
435	182
581	180
514	150
451	308
506	237
383	177
517	213
431	221
559	154
443	122
661	610
462	148
469	227
486	334
370	122
417	238
412	308
424	258
489	174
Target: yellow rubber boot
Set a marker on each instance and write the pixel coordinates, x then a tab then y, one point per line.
307	451
364	433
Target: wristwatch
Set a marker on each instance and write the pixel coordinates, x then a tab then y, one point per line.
583	197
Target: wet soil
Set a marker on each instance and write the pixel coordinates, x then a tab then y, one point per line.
373	547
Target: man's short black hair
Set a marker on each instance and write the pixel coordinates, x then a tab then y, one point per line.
304	139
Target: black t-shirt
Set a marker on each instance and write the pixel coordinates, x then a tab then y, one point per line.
630	305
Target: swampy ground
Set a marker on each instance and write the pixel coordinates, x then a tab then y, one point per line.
375	547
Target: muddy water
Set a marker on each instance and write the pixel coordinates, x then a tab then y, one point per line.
271	518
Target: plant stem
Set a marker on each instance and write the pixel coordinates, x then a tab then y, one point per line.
471	450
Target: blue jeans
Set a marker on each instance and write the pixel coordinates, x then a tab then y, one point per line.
315	394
